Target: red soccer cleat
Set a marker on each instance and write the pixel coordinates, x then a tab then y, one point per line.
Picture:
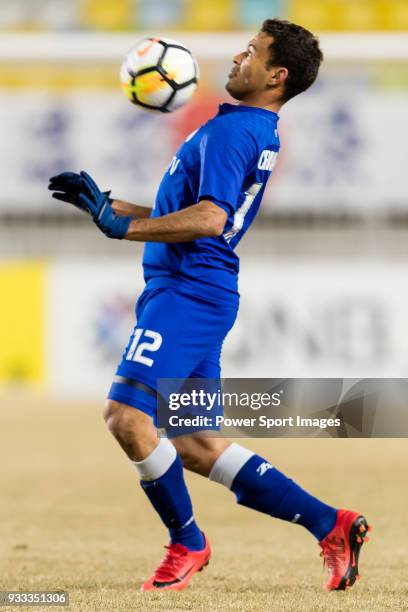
178	567
341	549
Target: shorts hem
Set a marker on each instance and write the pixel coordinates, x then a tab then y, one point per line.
133	400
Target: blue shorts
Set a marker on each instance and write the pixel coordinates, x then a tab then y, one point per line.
177	335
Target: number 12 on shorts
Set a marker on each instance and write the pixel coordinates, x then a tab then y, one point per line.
152	341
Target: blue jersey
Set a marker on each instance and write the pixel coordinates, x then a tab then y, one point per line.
227	161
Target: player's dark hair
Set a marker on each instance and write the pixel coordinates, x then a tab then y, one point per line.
296	49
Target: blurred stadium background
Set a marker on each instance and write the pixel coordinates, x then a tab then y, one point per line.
323	271
323	283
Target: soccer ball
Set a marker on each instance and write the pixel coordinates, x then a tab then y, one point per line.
159	75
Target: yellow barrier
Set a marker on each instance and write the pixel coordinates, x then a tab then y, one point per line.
395	15
350	15
64	76
107	14
205	15
215	15
22	317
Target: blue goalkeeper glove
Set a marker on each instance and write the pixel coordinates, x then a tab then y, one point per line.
99	206
67	186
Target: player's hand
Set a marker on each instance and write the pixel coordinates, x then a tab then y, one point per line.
99	206
67	186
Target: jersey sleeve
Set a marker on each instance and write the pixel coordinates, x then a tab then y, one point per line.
225	158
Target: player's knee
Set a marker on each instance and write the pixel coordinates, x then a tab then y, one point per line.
112	415
132	428
122	420
198	457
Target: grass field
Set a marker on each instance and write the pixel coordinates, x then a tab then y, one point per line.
72	516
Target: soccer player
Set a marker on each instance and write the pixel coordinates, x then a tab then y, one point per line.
206	201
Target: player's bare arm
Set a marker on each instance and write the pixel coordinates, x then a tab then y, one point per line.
196	221
126	209
120	219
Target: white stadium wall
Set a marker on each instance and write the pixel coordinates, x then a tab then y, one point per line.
62	107
303	320
335	149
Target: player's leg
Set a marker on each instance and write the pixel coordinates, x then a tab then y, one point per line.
258	485
159	468
161	477
255	482
199	451
167	341
132	428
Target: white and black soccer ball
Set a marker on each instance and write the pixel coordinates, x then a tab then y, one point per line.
159	74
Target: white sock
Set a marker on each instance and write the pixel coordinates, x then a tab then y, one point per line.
158	462
229	464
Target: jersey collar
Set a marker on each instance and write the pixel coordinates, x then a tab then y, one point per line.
233	108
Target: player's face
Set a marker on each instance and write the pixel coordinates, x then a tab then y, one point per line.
250	74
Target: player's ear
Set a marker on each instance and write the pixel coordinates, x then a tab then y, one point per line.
277	76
